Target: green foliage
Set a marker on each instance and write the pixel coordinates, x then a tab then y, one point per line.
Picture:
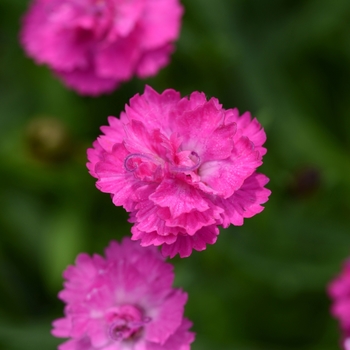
262	285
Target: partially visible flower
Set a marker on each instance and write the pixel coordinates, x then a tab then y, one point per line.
339	291
94	45
181	167
124	301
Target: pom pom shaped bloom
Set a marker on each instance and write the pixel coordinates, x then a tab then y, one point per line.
123	301
339	291
181	167
93	45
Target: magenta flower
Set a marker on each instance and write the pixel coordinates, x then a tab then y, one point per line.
339	291
181	167
124	301
94	45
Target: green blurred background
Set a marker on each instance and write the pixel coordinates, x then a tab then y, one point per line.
262	285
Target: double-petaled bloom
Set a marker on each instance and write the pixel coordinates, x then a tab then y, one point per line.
181	167
123	301
94	45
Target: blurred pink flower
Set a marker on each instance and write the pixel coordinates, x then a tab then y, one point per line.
181	167
123	301
339	291
94	45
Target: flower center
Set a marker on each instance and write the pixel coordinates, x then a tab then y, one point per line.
143	167
187	161
147	167
126	323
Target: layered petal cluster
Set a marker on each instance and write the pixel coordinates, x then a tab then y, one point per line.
181	167
123	301
94	45
339	291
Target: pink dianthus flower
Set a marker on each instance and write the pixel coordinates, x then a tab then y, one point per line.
181	167
94	45
122	302
339	291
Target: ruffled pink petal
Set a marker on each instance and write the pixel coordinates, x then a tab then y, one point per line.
62	327
340	309
98	333
246	126
227	176
168	319
47	41
117	61
152	61
147	219
157	276
257	194
113	346
197	126
165	15
127	16
114	179
143	193
246	202
153	109
112	134
195	100
94	155
114	251
340	286
151	238
220	144
179	197
80	324
146	281
142	141
99	297
86	82
190	222
185	244
79	275
180	340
